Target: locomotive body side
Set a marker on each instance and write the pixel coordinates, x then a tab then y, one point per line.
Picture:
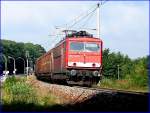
52	64
44	65
59	59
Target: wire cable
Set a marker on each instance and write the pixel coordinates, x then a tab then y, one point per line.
83	13
82	18
87	20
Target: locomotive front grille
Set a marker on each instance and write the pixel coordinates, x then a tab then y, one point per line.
87	73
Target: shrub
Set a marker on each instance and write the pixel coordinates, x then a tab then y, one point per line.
17	90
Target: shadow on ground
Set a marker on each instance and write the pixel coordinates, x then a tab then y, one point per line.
21	106
99	102
115	102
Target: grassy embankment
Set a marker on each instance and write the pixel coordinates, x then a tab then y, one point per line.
130	83
18	95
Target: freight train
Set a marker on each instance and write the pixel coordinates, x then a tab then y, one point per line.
77	59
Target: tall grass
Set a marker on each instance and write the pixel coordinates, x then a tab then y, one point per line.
16	90
135	83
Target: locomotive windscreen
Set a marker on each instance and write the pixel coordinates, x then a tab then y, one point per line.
77	46
91	47
84	46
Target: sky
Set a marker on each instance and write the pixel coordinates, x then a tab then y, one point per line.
124	25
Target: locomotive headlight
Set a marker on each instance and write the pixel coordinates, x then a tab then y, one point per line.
95	73
73	72
93	64
74	64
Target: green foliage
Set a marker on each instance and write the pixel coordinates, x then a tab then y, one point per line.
111	62
134	72
123	84
107	83
17	49
17	90
139	74
48	100
34	50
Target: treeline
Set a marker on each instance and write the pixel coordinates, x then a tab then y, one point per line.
119	66
18	49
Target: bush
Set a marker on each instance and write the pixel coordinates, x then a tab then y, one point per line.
17	90
139	75
107	82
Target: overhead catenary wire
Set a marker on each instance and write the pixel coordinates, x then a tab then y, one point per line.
87	21
82	18
75	20
103	2
79	16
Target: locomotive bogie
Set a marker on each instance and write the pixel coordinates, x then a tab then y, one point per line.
85	75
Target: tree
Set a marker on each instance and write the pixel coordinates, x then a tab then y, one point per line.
18	49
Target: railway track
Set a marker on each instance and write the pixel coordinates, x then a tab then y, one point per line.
111	90
115	100
99	89
95	99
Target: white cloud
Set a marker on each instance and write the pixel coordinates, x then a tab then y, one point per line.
124	27
120	22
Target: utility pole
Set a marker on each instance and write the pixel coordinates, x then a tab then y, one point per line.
27	56
118	71
14	72
98	20
5	61
31	66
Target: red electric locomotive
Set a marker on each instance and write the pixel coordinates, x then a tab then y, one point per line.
77	59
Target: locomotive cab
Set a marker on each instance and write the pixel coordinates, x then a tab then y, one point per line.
84	58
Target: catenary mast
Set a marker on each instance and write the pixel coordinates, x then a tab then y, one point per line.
98	20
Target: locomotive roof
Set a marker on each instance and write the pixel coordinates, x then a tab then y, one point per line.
83	38
78	36
81	35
